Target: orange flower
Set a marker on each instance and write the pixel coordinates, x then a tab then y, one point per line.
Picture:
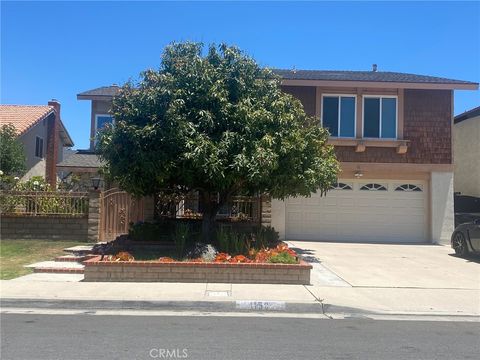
222	257
165	259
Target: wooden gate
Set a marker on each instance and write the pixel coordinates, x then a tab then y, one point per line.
117	210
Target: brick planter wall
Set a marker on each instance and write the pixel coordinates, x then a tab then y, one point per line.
40	227
149	271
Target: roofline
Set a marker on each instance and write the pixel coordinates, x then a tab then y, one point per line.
94	97
69	142
51	111
469	114
89	169
381	84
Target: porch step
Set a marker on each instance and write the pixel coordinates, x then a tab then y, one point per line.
70	267
74	258
79	250
58	270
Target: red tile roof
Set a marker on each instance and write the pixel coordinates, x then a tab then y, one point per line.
23	117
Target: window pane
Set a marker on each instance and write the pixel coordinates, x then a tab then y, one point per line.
102	121
371	125
330	115
389	118
347	117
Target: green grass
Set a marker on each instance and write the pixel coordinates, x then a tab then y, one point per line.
14	254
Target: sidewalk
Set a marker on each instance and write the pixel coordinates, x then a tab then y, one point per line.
334	302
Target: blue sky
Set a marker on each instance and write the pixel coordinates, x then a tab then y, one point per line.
56	50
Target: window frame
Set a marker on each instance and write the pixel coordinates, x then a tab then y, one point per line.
96	120
36	148
339	96
366	187
380	97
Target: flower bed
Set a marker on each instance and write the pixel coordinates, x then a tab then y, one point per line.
196	271
279	265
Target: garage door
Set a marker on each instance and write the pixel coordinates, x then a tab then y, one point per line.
361	211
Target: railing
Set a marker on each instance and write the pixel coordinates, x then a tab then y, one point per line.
44	203
189	206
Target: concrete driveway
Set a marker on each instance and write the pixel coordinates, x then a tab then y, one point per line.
394	266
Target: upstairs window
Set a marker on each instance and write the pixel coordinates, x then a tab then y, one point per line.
39	147
101	121
380	117
338	115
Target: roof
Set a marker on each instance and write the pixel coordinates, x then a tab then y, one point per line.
24	117
294	77
467	115
104	91
84	159
369	76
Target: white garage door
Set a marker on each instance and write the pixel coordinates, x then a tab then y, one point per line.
361	210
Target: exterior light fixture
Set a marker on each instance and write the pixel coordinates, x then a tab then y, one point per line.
95	182
358	174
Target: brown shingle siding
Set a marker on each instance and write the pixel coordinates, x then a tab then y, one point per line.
306	94
427	125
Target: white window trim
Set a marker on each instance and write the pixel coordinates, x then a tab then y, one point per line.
96	120
35	151
339	96
96	126
380	117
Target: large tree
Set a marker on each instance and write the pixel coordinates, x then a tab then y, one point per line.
12	155
216	122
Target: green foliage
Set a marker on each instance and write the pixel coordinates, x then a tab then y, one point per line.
283	258
181	235
238	242
12	155
218	123
161	231
223	239
145	231
265	237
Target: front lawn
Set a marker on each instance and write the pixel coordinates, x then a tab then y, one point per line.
14	254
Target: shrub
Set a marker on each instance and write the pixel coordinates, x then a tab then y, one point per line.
182	232
223	239
282	258
265	237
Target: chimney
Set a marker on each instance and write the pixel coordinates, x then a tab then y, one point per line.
53	129
374	67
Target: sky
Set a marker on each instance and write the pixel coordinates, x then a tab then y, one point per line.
59	49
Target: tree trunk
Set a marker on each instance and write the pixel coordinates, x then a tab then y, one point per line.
209	212
208	224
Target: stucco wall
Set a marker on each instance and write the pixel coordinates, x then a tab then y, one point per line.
98	108
441	207
35	165
466	153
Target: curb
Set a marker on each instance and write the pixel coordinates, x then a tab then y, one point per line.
201	306
233	306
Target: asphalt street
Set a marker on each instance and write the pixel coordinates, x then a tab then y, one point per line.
176	337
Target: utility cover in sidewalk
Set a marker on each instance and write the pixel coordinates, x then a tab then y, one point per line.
217	293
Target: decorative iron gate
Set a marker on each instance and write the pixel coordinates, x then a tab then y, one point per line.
117	210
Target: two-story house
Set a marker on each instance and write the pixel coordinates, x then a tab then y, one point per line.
42	134
392	134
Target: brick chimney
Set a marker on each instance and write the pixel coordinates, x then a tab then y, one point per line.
53	128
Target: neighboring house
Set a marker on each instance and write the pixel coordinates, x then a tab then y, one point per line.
43	135
466	152
392	134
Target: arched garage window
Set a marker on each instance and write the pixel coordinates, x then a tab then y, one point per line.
374	187
341	186
408	187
